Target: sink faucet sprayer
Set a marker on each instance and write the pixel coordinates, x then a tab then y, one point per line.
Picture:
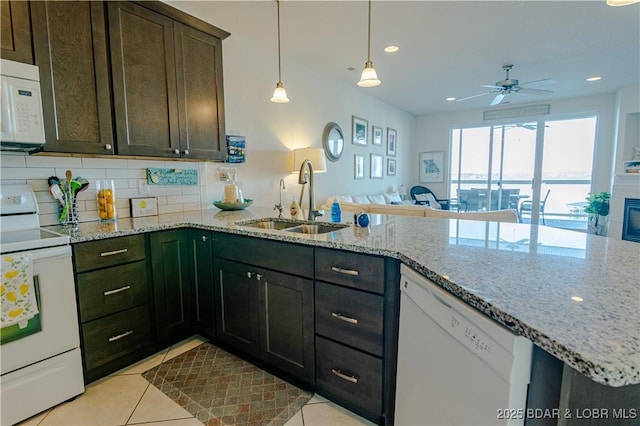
279	205
303	179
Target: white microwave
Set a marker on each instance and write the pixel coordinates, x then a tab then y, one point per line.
21	101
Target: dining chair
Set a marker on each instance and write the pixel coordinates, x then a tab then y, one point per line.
526	206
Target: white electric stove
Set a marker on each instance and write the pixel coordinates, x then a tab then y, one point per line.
41	364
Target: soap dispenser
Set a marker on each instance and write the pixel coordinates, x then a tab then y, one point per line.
294	209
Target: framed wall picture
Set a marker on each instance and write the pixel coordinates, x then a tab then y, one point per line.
431	166
391	167
360	130
392	141
376	138
358	166
376	166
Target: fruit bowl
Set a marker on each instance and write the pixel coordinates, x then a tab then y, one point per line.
232	206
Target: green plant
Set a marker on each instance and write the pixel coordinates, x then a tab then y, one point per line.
598	203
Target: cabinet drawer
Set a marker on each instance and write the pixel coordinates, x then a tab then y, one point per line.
110	290
115	336
350	316
360	271
349	374
108	252
283	257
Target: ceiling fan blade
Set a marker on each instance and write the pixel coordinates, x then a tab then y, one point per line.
491	86
498	99
536	83
539	92
474	96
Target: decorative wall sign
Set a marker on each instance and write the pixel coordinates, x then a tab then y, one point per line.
431	166
143	207
172	176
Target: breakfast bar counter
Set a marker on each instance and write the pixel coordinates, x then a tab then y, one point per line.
577	296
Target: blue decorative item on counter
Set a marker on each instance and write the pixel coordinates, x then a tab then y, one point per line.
336	213
361	219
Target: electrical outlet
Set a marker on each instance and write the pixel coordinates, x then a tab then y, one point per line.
144	188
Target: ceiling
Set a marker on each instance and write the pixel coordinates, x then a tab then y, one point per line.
447	48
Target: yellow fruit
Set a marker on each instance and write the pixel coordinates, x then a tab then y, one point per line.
103	214
16	312
11	274
102	201
2	289
8	259
110	198
12	296
24	288
101	193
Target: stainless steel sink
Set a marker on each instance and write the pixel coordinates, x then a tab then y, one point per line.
269	223
316	228
291	225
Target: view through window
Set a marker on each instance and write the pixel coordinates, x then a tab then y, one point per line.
541	169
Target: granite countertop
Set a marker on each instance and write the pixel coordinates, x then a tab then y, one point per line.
575	295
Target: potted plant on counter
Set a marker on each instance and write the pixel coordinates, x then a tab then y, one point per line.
598	205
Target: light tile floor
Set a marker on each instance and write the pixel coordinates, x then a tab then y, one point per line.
125	398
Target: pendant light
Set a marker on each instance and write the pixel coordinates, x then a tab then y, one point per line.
369	78
279	95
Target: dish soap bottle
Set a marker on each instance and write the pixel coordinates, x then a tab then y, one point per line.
294	209
336	213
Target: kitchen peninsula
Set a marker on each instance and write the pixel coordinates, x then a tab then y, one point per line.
573	295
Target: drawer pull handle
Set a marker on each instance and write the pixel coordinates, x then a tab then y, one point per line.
120	336
111	253
343	376
344	318
117	290
345	271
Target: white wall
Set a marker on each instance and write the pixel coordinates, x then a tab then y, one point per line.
433	134
273	130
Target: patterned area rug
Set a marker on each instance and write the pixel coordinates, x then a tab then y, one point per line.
221	389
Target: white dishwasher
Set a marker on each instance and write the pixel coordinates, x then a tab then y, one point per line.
456	366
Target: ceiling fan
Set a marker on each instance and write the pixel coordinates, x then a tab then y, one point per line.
505	88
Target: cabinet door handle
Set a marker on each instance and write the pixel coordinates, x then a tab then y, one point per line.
107	146
249	275
344	318
176	151
111	253
345	271
120	336
117	290
205	238
186	152
339	373
259	277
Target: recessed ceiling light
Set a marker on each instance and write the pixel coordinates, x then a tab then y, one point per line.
577	299
391	49
451	99
594	78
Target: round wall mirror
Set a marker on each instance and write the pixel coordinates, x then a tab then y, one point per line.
332	141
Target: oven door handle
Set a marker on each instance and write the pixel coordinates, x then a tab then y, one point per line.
50	252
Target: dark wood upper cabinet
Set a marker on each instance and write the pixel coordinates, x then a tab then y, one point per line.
144	81
200	94
15	31
70	48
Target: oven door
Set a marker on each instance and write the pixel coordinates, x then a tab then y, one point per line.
55	289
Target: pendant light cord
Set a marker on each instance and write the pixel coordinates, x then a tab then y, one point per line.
369	36
279	64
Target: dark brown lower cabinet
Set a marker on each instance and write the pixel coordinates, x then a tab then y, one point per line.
203	304
265	313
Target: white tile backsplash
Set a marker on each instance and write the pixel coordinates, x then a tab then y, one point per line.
127	174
